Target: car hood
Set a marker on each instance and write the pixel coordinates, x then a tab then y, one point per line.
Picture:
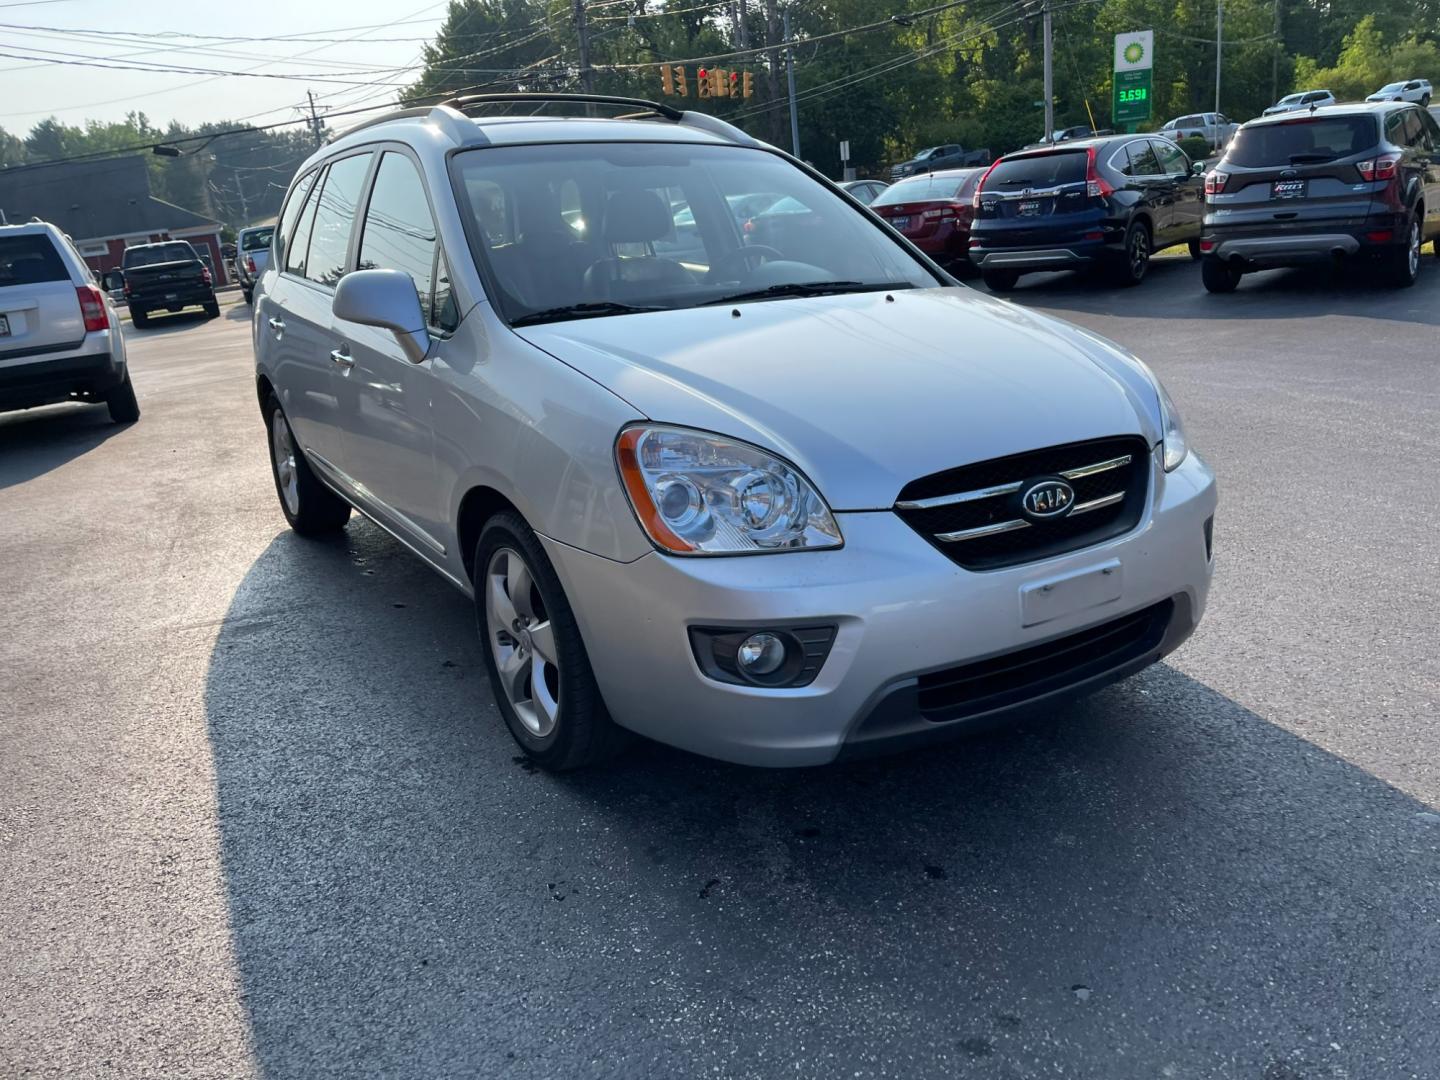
862	392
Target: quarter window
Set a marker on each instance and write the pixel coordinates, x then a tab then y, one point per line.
299	244
291	213
334	218
399	231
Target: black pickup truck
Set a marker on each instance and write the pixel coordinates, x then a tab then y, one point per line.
166	277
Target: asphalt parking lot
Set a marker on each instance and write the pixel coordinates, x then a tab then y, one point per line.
258	815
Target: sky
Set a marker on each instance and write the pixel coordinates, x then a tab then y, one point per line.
342	74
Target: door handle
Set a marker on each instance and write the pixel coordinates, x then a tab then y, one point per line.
341	357
277	324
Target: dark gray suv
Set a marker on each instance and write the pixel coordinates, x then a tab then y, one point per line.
1340	184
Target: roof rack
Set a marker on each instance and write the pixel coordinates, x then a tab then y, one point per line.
450	112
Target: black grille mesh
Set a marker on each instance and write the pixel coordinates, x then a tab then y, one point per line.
1016	677
1041	539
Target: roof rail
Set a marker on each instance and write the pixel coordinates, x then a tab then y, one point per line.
384	118
465	102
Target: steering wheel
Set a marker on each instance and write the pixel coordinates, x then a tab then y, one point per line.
742	257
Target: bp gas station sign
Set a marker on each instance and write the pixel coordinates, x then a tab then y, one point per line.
1134	61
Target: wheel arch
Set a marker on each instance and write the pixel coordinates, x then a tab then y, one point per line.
478	506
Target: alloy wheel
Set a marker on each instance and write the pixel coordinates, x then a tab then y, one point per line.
1412	254
1139	253
282	446
522	641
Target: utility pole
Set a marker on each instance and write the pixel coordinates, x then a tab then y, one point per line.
1274	59
314	118
582	29
790	77
744	34
772	72
1219	39
1049	71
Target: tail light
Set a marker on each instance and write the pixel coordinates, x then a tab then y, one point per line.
942	213
92	308
126	285
1383	167
975	199
250	264
205	274
1096	186
1215	182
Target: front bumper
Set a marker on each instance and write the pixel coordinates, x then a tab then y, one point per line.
89	371
902	610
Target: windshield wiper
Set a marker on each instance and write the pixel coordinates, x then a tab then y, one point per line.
588	310
810	288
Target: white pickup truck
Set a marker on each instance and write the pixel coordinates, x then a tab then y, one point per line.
1214	128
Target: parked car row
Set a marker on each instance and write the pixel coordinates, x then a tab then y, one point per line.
1339	184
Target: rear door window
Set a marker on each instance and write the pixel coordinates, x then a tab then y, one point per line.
30	260
1143	161
1038	171
1304	141
334	219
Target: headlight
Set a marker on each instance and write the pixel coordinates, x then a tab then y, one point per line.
1172	432
702	494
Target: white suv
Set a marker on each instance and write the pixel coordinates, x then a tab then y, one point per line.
60	338
770	487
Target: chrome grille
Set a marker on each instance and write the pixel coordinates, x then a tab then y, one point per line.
974	513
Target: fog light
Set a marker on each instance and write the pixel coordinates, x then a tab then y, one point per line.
760	655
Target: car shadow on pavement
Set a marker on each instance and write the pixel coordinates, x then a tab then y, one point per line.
1153	879
34	441
1172	289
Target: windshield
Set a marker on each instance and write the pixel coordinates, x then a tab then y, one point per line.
1390	88
1291	100
159	253
930	188
654	225
257	240
1295	142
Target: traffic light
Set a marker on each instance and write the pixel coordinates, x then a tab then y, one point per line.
672	80
702	83
733	90
747	85
719	84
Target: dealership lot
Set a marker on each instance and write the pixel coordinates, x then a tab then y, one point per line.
258	815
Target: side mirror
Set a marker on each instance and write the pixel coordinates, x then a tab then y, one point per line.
386	299
1198	168
114	279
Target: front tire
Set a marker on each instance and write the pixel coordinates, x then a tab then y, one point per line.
1219	276
1194	247
1136	259
249	295
539	670
309	506
1000	280
120	400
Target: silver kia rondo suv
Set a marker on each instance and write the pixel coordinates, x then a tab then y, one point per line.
721	458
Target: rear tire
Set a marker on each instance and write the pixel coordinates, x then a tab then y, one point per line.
309	506
1195	249
140	318
1000	280
1404	261
1136	258
212	309
539	671
120	400
1219	276
249	295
